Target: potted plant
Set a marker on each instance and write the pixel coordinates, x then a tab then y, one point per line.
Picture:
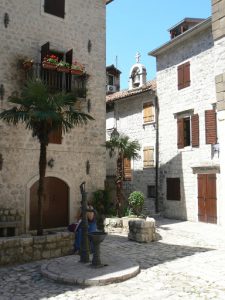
25	63
63	66
50	62
77	68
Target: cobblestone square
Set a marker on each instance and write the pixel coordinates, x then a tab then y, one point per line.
187	262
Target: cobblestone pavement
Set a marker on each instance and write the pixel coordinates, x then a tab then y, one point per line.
187	262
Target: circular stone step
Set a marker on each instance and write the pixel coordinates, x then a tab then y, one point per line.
70	270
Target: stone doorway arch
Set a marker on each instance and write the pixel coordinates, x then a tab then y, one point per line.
55	206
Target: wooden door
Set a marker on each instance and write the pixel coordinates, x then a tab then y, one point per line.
55	206
207	208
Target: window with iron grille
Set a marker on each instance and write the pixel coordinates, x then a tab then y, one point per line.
151	191
173	189
55	8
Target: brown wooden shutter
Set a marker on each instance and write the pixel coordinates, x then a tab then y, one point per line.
180	133
55	136
127	169
180	76
148	113
148	157
186	74
195	130
210	127
45	50
55	7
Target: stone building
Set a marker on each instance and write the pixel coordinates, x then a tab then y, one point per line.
73	30
190	139
132	112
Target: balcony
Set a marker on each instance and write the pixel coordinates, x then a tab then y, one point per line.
59	81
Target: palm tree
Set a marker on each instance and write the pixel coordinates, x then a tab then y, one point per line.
124	148
42	113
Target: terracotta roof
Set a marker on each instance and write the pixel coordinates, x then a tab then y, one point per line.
150	85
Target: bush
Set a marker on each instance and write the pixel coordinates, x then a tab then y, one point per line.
136	201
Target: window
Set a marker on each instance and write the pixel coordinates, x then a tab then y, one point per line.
151	191
210	127
183	75
55	7
148	154
110	80
188	131
55	136
126	169
173	189
148	112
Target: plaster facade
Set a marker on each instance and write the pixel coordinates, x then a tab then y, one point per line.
28	29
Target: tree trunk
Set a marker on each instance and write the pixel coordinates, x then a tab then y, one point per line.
42	170
119	184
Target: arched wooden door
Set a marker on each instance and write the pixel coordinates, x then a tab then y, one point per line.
55	206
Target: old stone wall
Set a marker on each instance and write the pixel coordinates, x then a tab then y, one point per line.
129	120
29	28
218	19
199	96
26	249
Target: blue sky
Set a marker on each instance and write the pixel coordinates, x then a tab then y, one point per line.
141	25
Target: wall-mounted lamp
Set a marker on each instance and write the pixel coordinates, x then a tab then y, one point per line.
1	161
51	163
89	46
2	91
6	20
88	167
89	105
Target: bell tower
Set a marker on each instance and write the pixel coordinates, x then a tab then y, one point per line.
137	74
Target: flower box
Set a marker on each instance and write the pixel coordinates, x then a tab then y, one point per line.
63	69
48	66
76	72
27	64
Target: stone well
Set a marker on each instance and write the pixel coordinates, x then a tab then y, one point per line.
142	231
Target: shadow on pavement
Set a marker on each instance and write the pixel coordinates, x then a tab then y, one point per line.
149	254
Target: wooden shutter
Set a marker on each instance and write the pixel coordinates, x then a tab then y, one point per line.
148	112
210	127
180	76
69	56
195	130
45	50
148	157
173	189
55	7
127	169
186	74
55	136
180	133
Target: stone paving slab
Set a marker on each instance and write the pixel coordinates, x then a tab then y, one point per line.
70	270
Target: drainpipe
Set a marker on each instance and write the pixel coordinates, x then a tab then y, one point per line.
157	154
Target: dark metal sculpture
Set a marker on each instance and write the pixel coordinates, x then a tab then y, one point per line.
84	251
